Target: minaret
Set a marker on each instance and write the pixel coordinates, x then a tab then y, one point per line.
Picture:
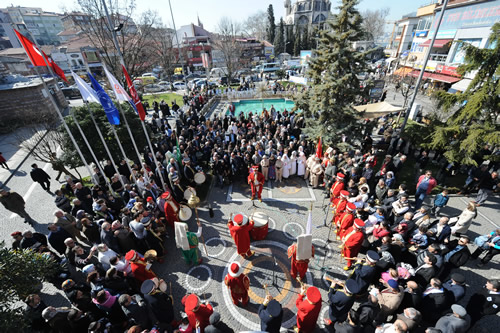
288	7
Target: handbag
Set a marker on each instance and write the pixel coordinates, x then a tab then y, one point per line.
481	241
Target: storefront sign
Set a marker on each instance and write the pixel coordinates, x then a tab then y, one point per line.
477	15
422	33
447	70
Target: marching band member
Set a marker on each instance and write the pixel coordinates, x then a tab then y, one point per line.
188	242
161	303
140	268
256	180
339	204
341	300
352	241
241	234
364	272
299	266
308	309
271	315
337	186
197	312
345	220
177	189
171	209
238	283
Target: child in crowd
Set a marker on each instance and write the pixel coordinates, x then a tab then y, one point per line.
439	202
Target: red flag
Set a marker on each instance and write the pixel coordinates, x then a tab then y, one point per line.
55	68
33	52
134	95
319	149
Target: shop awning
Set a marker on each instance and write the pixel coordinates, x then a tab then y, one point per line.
444	78
436	77
403	71
376	110
461	85
437	42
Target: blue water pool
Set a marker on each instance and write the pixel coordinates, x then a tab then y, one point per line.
257	105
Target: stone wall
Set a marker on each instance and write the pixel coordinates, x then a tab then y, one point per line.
28	105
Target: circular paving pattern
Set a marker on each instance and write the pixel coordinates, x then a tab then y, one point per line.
216	250
292	230
269	263
198	278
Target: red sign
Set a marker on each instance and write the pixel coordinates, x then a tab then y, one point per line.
447	70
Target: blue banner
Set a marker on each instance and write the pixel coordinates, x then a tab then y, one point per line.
106	102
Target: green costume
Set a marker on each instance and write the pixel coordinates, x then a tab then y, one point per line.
191	255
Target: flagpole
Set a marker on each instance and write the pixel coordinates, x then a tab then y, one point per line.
91	151
106	146
117	47
58	111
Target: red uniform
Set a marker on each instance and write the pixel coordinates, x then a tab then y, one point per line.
353	239
256	188
202	315
140	272
238	286
241	236
171	209
307	313
339	205
335	190
344	221
298	266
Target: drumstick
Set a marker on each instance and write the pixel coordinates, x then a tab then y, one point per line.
171	296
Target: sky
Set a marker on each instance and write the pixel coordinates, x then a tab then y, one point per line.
210	11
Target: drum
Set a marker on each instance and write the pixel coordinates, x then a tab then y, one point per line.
185	213
261	226
188	192
199	178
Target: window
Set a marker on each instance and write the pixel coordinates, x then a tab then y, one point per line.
424	23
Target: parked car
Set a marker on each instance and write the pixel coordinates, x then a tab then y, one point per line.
177	77
152	88
165	85
71	92
179	85
193	82
223	80
150	74
192	76
204	82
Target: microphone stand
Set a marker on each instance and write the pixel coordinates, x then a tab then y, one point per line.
275	278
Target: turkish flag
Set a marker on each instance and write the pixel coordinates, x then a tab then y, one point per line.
33	52
56	68
319	149
135	97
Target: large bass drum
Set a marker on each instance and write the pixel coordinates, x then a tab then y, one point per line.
188	192
199	178
185	213
261	226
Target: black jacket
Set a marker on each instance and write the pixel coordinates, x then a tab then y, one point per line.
161	304
268	323
483	303
459	258
433	305
38	175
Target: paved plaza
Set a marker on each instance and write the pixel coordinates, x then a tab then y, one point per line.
286	205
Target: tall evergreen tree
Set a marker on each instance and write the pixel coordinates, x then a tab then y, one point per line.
327	105
279	40
297	42
473	115
271	24
289	39
304	40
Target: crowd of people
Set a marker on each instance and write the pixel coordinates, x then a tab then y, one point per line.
106	241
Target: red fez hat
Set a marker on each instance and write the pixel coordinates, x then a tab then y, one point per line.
17	233
235	269
351	207
240	219
149	199
340	175
358	223
344	193
313	295
131	255
192	301
255	167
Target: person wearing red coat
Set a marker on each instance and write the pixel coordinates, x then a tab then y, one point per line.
339	204
298	266
139	267
238	283
239	227
337	186
171	209
352	241
307	309
256	180
344	221
198	314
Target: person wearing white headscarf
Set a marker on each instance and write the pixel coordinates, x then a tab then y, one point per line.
293	163
301	164
286	166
